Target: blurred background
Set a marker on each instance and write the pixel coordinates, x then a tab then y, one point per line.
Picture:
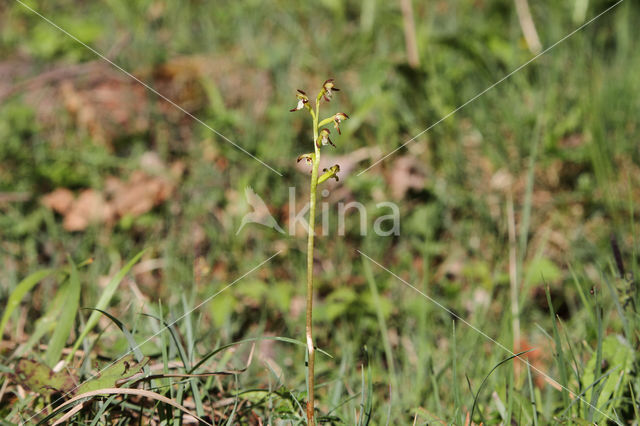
519	190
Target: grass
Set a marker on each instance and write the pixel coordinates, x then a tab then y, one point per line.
558	138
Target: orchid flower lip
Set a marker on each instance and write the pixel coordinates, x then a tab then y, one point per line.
327	89
324	138
302	100
329	84
337	118
307	157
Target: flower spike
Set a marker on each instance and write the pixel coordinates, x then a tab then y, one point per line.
303	101
320	137
327	89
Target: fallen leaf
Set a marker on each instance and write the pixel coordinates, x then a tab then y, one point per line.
141	193
107	109
39	378
138	196
89	208
60	200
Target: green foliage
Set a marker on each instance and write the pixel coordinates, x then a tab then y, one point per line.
20	292
103	302
617	362
113	375
541	271
16	132
41	379
67	318
45	44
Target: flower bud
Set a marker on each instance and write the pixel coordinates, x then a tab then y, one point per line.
331	172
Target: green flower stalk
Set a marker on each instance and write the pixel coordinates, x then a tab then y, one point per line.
320	138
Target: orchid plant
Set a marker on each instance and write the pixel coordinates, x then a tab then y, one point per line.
321	138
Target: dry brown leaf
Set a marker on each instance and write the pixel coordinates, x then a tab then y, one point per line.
107	109
139	195
60	200
89	208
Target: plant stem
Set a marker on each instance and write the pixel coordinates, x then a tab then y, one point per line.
312	222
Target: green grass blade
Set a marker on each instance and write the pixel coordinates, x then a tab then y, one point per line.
528	196
532	395
597	367
583	296
44	325
253	339
454	366
619	308
382	325
19	293
562	366
336	394
636	412
66	320
475	399
366	401
133	345
576	366
235	405
582	395
434	383
190	343
104	300
102	410
172	332
369	402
